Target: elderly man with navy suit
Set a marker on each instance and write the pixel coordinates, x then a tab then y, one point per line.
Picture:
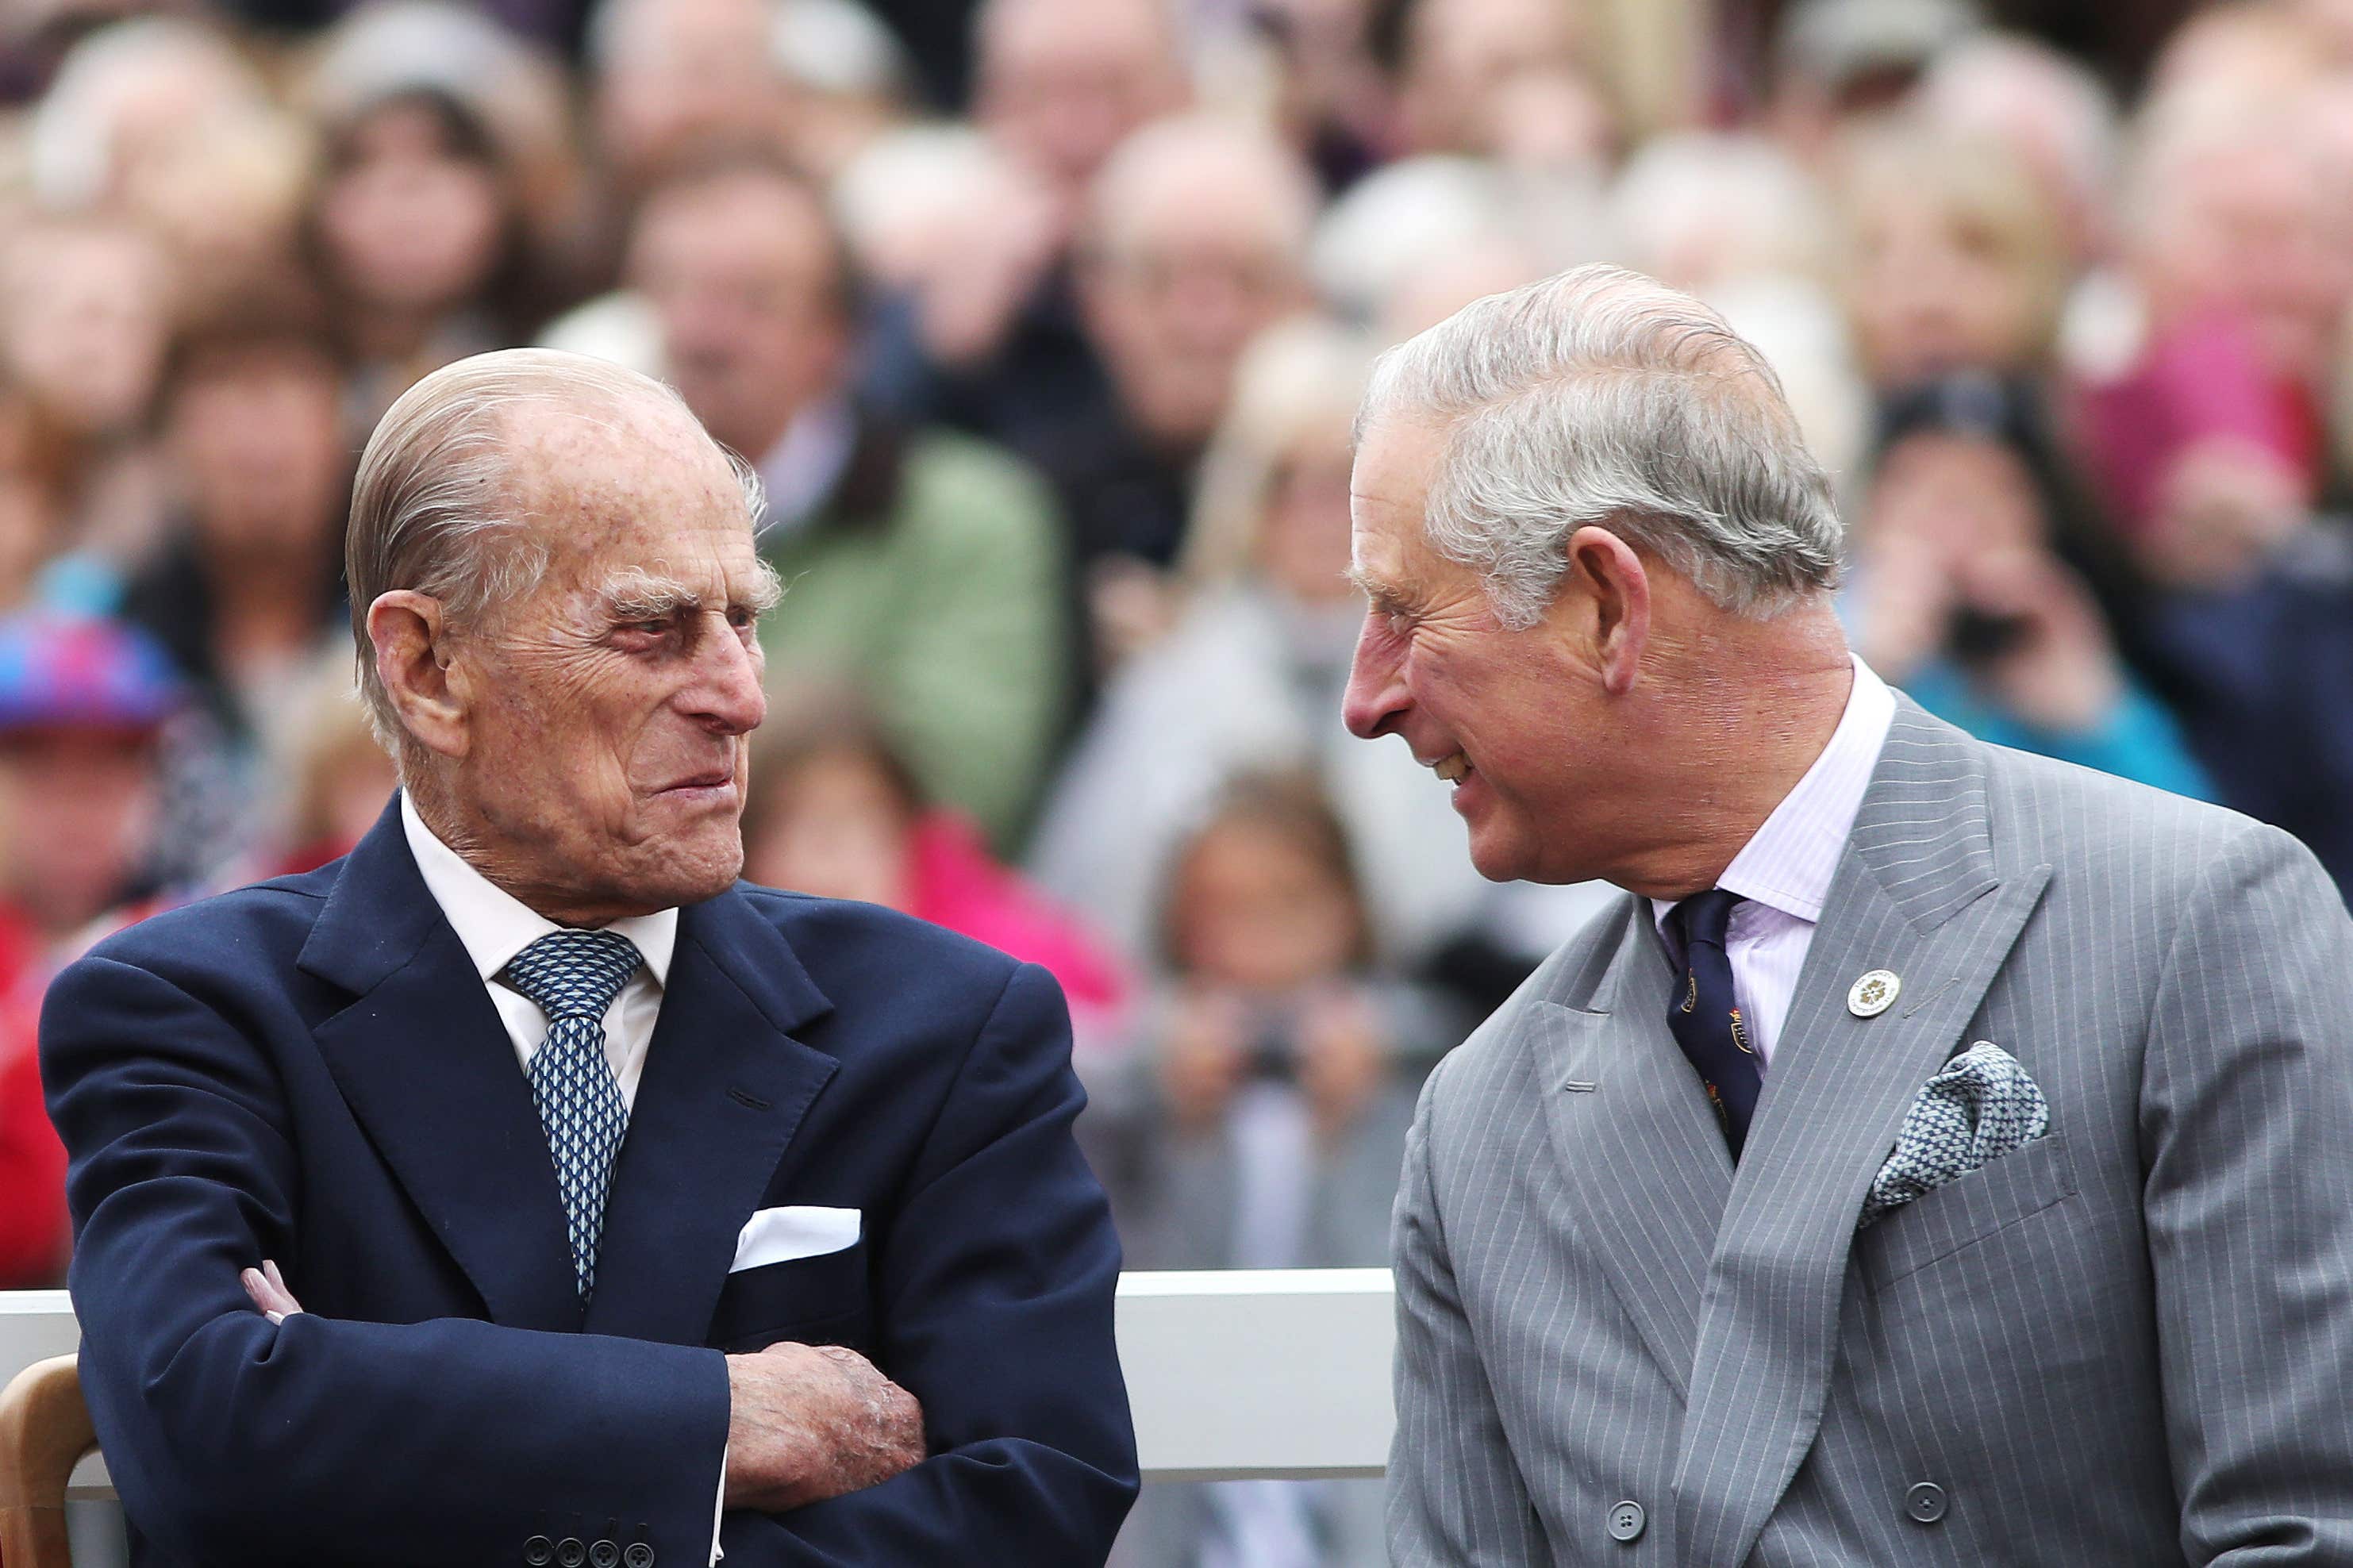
1941	1155
525	1189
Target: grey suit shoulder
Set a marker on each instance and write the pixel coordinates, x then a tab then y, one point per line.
1595	1307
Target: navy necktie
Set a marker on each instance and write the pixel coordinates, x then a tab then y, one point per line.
573	976
1705	1017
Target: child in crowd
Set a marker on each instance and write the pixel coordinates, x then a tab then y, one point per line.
1260	1121
81	704
835	810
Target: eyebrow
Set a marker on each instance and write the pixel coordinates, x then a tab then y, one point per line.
1372	587
635	593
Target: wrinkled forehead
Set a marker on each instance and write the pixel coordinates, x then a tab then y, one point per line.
612	484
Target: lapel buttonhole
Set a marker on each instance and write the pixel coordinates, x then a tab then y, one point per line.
1932	996
1578	1086
747	1099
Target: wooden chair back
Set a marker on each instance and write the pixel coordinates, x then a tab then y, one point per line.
45	1430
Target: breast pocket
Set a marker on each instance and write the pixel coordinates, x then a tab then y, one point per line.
1966	1211
814	1300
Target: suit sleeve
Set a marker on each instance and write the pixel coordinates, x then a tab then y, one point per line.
2247	1124
995	1288
233	1440
1455	1495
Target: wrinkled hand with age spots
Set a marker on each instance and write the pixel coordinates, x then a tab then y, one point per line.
805	1423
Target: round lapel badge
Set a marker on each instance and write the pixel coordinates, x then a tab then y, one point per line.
1874	994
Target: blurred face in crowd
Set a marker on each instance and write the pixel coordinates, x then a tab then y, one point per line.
743	272
1482	75
415	217
257	438
1507	717
88	317
680	75
150	101
78	807
1062	82
835	826
588	740
1195	254
1303	535
1937	288
1946	495
1257	910
2250	227
226	200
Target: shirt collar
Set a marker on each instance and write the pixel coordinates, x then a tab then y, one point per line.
801	469
1789	861
494	925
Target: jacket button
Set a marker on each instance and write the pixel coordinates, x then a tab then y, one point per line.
570	1552
539	1551
605	1554
1924	1502
638	1556
1625	1521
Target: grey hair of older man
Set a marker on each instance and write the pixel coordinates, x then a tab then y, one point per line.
434	508
1600	397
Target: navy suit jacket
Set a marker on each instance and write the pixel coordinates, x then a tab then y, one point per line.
310	1070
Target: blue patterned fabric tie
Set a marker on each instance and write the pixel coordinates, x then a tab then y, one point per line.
1704	1015
573	976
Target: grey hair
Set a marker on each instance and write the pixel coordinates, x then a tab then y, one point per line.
432	506
1599	397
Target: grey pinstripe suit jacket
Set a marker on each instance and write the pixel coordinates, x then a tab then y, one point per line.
2131	1341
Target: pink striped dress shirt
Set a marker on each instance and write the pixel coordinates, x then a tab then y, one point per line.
1784	872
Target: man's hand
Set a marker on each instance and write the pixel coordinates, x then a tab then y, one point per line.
268	1288
805	1423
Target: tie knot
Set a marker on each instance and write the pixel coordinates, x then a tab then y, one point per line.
1705	917
573	973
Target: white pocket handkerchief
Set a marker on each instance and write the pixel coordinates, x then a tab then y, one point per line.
796	1230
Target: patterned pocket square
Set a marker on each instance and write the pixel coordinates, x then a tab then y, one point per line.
1981	1106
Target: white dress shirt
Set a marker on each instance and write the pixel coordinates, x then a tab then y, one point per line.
1784	871
493	926
800	472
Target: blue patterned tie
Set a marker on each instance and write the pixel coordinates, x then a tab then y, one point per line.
1705	1016
573	976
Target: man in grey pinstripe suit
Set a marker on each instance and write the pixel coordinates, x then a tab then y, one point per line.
1943	1156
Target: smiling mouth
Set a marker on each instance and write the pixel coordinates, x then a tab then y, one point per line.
1453	769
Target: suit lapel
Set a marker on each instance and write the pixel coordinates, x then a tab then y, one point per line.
1641	1152
1917	893
725	1086
427	1067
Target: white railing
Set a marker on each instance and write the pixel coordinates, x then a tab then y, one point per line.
1232	1376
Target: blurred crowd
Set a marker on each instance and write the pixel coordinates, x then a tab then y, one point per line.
1044	322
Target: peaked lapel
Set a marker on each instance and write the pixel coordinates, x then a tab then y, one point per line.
725	1086
1917	893
1641	1152
426	1066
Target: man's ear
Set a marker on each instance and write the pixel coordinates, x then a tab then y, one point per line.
1616	587
413	658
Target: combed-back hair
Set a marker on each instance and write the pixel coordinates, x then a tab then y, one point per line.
1599	397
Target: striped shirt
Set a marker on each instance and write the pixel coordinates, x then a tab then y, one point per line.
1783	873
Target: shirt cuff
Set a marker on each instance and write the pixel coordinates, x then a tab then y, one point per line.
719	1509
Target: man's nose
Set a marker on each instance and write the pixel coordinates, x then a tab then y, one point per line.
1376	697
727	690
